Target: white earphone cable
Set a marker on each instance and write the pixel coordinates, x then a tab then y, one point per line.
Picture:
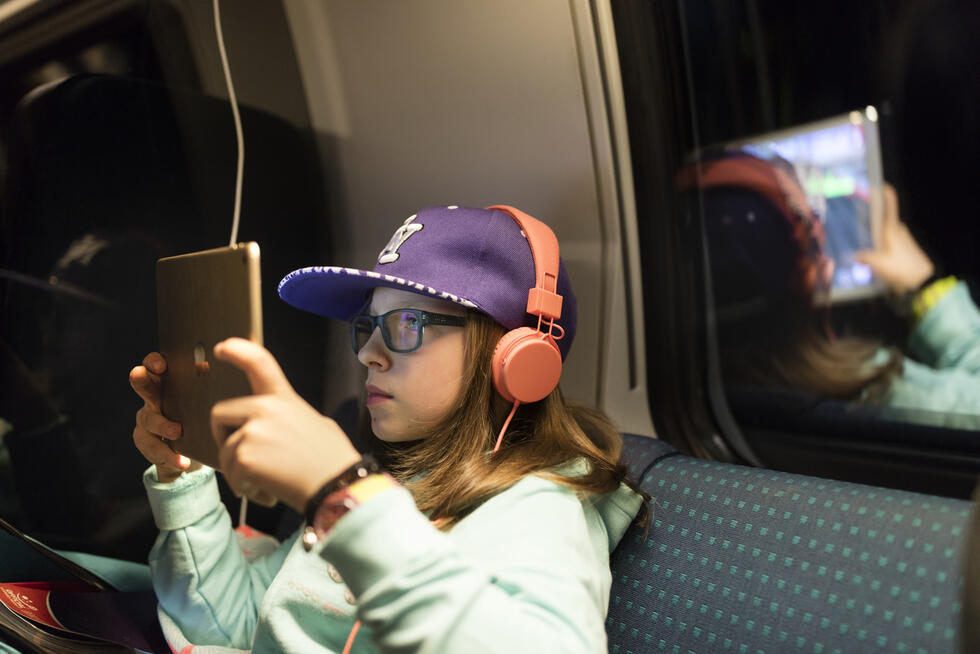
232	99
239	170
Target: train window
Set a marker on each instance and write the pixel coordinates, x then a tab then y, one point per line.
818	178
119	147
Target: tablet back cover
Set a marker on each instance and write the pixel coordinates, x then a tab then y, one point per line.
202	299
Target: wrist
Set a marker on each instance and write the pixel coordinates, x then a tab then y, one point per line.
357	470
167	474
925	275
928	281
352	487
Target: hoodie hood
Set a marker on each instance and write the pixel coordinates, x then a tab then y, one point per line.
617	510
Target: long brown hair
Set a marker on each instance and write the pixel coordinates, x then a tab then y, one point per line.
792	347
450	470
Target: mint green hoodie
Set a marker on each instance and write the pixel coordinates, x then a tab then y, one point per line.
527	571
941	385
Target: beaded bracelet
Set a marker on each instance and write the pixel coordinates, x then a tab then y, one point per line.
359	470
930	294
335	498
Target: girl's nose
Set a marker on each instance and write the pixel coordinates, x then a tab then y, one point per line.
374	353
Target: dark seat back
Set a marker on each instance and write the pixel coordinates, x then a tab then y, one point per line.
108	174
747	560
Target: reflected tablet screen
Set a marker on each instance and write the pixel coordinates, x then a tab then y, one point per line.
838	162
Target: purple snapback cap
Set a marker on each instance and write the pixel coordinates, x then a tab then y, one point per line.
478	258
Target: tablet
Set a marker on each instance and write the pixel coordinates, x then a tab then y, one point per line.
838	162
202	299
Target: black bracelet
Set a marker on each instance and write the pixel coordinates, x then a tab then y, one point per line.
934	277
366	466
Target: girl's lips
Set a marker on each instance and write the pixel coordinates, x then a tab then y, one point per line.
375	395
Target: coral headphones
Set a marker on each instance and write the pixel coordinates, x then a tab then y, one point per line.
526	363
779	188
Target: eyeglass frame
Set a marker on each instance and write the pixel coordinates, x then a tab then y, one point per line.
424	318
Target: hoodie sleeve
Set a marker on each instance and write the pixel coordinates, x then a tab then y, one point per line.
200	575
528	571
948	336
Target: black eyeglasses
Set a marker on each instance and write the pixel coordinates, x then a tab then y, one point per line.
401	329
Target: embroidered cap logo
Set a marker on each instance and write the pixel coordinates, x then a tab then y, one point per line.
390	253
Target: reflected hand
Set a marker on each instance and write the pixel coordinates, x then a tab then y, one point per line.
153	430
273	443
899	262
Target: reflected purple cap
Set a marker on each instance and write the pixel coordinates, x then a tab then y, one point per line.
478	258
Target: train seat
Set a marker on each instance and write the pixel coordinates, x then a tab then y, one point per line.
742	559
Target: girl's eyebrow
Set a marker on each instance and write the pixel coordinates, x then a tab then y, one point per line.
370	310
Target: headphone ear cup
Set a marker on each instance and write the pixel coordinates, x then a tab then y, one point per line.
526	365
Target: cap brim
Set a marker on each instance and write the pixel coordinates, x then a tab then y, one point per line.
340	292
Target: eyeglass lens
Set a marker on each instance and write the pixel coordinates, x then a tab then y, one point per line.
401	330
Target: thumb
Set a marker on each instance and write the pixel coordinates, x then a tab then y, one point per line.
873	259
263	371
865	256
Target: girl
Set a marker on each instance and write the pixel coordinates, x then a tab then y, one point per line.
490	529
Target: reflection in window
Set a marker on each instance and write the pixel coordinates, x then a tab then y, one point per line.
112	160
837	326
74	271
773	279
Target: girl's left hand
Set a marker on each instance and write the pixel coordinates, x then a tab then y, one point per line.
273	444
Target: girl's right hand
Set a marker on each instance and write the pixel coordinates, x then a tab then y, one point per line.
898	261
153	430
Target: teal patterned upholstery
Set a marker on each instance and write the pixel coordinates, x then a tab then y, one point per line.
738	559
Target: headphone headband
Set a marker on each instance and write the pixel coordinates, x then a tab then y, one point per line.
526	363
760	177
746	172
542	300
